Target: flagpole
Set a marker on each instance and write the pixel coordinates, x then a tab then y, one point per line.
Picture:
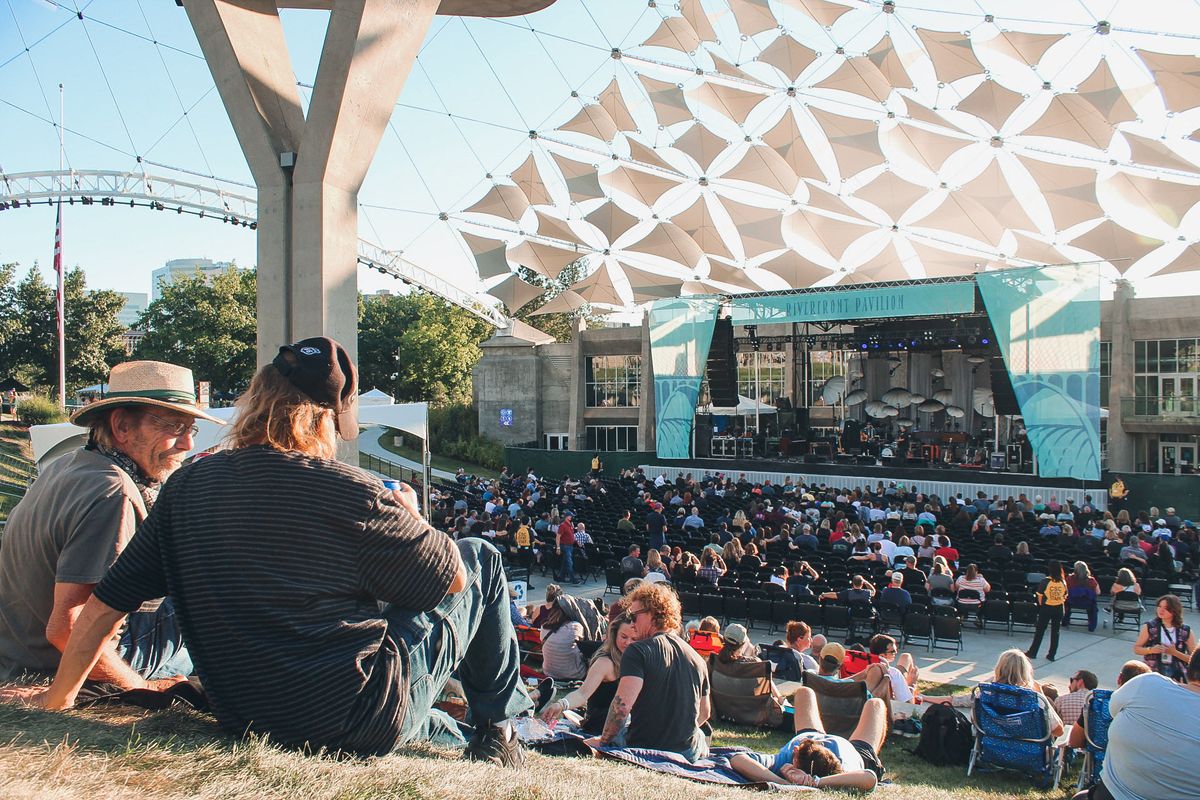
60	294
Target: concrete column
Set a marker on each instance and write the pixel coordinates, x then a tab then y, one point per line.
577	431
244	46
308	172
646	408
1121	449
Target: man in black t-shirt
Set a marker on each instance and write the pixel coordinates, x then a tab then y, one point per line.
664	691
656	527
631	565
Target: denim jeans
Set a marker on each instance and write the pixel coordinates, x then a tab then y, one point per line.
152	644
566	563
469	636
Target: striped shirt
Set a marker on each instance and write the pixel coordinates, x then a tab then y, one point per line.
279	565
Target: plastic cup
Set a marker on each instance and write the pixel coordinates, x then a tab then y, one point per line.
391	484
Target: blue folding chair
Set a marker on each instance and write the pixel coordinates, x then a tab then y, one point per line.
1096	719
1012	731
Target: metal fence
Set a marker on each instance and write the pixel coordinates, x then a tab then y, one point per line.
390	468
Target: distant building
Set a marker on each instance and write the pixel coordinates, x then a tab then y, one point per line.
131	339
186	268
135	306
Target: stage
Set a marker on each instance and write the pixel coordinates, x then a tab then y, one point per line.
945	482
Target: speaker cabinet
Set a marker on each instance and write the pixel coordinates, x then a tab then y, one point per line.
721	368
1002	390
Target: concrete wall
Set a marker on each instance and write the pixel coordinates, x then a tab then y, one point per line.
508	377
558	374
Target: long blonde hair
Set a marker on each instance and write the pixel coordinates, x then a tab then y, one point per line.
275	413
1014	668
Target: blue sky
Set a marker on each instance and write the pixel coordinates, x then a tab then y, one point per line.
153	84
140	56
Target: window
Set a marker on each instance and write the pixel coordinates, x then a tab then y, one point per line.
1166	376
823	365
1105	371
772	375
614	381
612	437
557	441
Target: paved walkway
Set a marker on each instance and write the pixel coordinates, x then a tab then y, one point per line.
1102	652
368	442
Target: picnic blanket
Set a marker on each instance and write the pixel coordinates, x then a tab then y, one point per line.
566	739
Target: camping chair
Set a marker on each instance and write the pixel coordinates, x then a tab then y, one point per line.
1096	719
1012	731
840	703
743	693
787	666
1127	611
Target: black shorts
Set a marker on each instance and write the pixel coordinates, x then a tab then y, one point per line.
869	756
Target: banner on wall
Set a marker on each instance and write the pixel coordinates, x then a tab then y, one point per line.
847	304
681	331
1047	323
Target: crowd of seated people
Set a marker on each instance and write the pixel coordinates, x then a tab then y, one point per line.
823	544
728	540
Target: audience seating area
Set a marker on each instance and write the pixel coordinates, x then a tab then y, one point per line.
744	594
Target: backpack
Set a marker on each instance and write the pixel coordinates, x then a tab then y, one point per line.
946	737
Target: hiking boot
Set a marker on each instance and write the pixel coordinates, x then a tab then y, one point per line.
497	744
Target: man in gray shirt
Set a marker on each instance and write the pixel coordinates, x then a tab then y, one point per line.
80	514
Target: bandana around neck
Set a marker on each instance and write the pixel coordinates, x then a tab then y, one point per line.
148	488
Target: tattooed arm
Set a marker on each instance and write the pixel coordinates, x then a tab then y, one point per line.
627	693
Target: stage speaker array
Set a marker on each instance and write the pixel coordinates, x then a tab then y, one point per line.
1002	391
721	369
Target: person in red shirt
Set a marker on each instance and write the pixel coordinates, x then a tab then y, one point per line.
946	551
566	552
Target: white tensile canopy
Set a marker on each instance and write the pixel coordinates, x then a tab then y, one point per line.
820	123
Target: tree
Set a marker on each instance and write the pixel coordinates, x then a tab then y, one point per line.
559	325
8	316
418	347
91	329
209	327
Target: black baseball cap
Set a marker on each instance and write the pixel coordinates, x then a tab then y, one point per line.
321	368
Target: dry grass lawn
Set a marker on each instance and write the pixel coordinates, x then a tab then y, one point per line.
117	753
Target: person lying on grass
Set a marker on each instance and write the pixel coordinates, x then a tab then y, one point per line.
818	759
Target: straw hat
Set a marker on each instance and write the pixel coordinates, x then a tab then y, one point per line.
147	383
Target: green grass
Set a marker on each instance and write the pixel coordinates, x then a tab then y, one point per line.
386	440
115	753
16	465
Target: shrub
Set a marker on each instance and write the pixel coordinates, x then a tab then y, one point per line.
39	411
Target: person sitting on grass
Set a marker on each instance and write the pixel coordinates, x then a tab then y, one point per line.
819	760
1153	742
902	669
1077	738
664	690
707	638
1013	668
320	608
600	685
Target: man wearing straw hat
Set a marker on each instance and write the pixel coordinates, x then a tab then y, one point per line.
78	516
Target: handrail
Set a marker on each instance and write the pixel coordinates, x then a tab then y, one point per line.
1158	406
391	469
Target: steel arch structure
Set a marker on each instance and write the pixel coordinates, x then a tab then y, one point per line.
162	193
